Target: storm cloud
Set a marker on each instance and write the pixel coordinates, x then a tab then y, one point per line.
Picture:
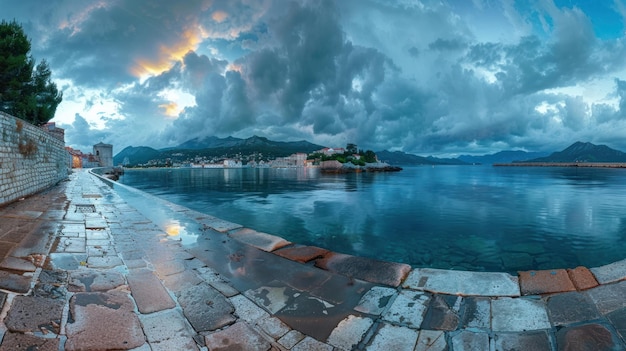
424	77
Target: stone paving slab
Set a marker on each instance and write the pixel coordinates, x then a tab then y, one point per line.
610	297
148	292
470	341
610	273
596	337
310	344
272	298
545	282
205	308
217	224
523	341
442	314
30	314
392	337
312	315
570	308
408	309
168	330
104	262
262	241
291	339
18	264
376	300
582	278
103	321
431	340
301	253
518	315
15	282
349	332
72	244
374	271
94	280
618	319
273	327
476	313
463	282
18	341
237	337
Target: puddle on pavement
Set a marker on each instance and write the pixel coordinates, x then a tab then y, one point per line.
176	226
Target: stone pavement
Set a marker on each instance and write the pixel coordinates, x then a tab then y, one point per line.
89	265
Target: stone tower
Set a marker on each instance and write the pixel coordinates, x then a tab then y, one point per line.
104	152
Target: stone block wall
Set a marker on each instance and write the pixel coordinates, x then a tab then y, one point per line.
31	159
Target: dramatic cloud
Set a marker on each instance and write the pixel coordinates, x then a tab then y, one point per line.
426	77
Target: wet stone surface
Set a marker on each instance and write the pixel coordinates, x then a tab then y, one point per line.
391	337
133	287
14	282
545	282
237	337
103	321
609	298
442	313
522	341
205	308
590	337
387	273
571	308
476	313
148	292
29	314
18	341
92	280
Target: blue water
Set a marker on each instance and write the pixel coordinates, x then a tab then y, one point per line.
478	218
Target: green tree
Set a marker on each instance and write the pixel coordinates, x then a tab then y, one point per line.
26	90
351	149
370	156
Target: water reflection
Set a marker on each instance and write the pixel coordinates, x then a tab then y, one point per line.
477	218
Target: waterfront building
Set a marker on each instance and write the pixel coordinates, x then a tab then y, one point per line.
104	153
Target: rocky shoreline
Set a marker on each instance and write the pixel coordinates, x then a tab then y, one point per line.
335	167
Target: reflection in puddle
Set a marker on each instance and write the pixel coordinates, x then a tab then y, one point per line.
178	232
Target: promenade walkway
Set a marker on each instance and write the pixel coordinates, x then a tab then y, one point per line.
91	266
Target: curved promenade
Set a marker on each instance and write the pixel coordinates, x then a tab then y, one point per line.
94	265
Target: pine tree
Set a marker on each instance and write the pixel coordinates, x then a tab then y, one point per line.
26	90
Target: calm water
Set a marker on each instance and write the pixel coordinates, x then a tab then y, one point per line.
454	217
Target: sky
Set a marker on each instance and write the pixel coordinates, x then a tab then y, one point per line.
443	78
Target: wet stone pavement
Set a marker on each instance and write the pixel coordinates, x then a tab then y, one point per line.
91	266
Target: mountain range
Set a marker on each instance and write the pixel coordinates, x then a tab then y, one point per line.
267	149
584	152
214	147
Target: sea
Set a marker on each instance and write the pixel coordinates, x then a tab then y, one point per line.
478	218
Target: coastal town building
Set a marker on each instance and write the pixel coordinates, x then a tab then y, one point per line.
104	153
294	160
329	151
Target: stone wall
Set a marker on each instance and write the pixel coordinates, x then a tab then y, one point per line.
31	159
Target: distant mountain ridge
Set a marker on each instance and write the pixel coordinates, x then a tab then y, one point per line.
502	157
402	158
231	146
584	152
215	147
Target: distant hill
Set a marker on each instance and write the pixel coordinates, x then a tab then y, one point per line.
208	143
136	155
584	152
502	157
404	159
216	147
